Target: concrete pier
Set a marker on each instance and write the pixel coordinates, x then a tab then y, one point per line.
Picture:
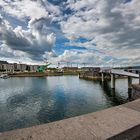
103	77
139	77
129	82
112	81
116	123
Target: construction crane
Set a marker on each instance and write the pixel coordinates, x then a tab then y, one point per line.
43	67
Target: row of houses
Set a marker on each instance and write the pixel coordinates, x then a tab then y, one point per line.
14	67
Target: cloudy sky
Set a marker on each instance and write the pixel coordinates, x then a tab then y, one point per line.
95	32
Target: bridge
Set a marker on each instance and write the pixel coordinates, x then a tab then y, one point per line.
119	72
124	73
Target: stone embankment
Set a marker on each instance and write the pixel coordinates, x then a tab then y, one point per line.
28	74
40	74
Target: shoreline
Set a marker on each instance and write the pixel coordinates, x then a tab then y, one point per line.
43	74
40	74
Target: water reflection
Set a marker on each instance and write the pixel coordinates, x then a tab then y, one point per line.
112	94
30	101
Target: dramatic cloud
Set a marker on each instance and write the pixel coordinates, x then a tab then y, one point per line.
34	41
97	32
111	25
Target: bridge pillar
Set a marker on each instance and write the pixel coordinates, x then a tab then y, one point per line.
139	77
103	77
112	81
129	82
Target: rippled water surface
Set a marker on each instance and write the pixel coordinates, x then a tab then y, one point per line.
26	101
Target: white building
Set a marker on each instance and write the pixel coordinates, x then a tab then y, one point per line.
8	67
5	66
33	68
20	67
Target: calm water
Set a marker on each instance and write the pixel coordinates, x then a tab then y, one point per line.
26	102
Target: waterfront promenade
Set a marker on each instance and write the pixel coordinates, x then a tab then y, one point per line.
116	123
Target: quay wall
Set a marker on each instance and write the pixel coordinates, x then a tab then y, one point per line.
40	74
28	74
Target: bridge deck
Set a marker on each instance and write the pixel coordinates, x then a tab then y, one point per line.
124	73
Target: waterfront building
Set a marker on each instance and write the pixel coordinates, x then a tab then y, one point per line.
20	67
35	67
70	68
3	62
14	67
8	67
91	69
23	67
1	67
32	68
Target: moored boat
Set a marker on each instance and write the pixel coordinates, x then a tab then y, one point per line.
4	76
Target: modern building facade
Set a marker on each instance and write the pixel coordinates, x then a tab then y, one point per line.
14	67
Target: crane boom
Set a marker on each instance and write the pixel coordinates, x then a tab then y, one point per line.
42	68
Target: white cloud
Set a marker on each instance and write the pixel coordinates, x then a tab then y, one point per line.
32	42
24	8
112	25
82	56
111	30
38	37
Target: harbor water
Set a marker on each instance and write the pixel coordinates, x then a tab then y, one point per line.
30	101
